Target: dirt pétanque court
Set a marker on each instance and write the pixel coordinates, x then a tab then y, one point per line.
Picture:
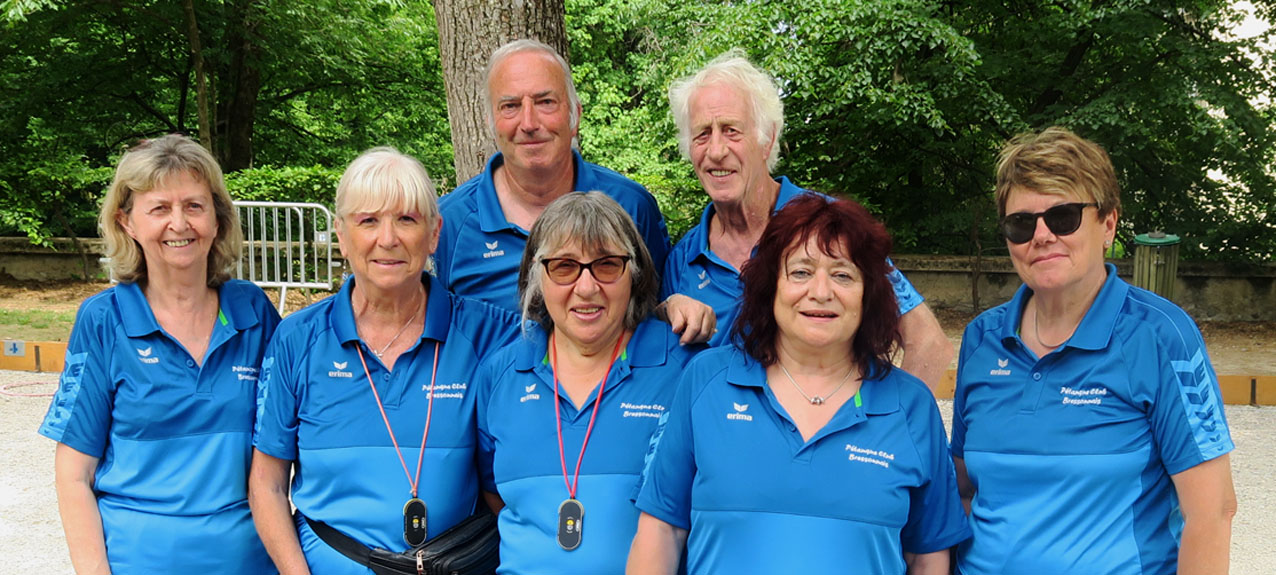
1235	348
31	538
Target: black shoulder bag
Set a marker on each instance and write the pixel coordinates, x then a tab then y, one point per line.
471	547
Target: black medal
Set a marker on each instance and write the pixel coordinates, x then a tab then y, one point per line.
414	510
571	515
414	522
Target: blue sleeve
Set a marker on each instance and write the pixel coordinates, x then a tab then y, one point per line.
969	341
651	224
442	256
664	490
484	386
494	328
672	275
905	294
275	431
1187	416
269	317
936	518
79	415
252	295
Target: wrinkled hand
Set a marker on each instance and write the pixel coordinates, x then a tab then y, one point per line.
690	318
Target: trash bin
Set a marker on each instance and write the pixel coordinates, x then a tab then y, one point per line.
1156	262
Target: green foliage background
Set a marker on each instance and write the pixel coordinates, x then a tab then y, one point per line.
900	104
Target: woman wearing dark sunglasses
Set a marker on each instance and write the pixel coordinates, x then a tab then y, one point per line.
565	415
1088	431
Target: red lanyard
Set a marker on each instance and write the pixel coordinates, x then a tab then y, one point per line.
558	417
429	409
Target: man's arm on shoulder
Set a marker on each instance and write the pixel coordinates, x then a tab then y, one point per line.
927	351
690	318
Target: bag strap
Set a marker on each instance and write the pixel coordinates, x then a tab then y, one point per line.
342	543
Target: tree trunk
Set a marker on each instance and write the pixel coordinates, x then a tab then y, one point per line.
201	83
242	88
469	31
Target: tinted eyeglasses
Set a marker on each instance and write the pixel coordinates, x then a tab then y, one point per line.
1062	220
565	271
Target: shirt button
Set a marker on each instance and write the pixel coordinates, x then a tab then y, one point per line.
190	363
385	377
1036	376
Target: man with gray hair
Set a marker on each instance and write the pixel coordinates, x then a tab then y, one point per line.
730	117
534	114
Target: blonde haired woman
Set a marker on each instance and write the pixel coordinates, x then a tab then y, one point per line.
366	405
1088	429
154	412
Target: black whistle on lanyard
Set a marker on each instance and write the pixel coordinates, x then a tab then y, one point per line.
414	522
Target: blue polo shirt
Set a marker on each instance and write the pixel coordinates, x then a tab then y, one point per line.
173	438
519	458
1071	454
480	251
729	465
695	271
315	407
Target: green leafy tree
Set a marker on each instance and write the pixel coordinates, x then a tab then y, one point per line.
288	82
620	77
903	104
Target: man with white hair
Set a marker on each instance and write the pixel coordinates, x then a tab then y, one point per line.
730	117
534	114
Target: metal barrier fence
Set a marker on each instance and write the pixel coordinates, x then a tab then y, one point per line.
286	245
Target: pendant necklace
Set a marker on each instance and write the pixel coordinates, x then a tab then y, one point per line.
571	514
815	400
381	352
1036	330
414	511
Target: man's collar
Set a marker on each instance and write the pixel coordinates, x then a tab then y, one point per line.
788	191
492	216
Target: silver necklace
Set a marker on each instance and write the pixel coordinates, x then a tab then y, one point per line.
381	351
1036	330
815	400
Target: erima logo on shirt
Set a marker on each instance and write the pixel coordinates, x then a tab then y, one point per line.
144	356
530	395
492	252
703	275
740	414
1001	367
338	367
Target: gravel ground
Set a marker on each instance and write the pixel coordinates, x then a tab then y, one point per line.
31	538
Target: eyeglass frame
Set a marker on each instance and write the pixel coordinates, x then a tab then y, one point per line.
582	266
1042	215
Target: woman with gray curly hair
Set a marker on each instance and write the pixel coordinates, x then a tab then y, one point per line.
606	366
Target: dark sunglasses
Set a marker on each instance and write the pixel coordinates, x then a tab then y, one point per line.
1062	220
565	271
